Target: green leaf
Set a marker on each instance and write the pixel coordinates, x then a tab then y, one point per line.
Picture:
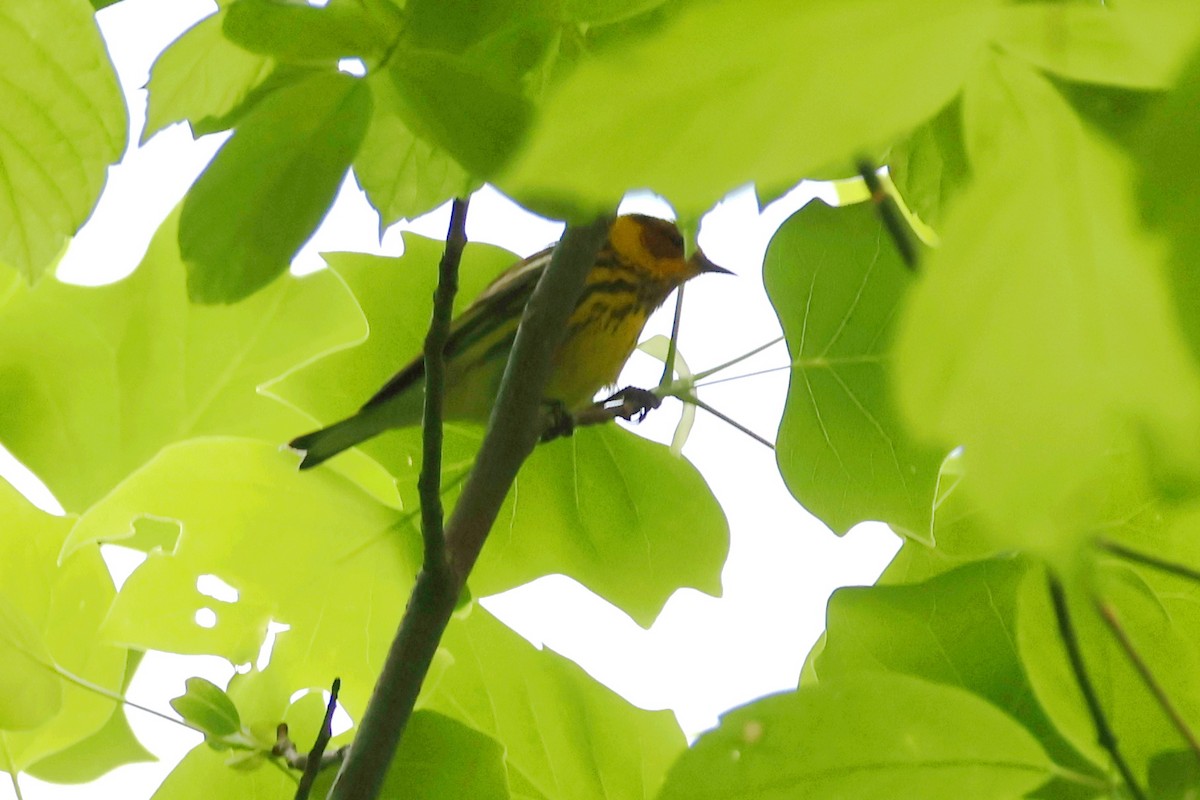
605	12
403	175
303	33
620	514
95	381
836	283
930	166
461	106
205	705
289	542
1042	319
62	123
439	759
270	185
1138	45
1157	633
1168	155
743	84
548	715
956	629
112	746
31	692
868	736
201	76
203	774
52	614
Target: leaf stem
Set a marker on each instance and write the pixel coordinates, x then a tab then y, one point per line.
728	420
1104	732
668	373
699	376
1148	560
1143	669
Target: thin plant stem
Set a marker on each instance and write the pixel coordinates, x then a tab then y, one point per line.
699	376
1143	669
1161	564
1104	732
727	420
668	373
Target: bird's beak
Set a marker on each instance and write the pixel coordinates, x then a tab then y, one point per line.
703	265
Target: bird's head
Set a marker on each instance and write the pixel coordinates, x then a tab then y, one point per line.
655	246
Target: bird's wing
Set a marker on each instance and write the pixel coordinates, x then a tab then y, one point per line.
490	321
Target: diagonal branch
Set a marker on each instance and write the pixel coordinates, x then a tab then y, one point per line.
511	436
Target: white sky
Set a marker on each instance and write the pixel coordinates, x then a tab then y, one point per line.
703	655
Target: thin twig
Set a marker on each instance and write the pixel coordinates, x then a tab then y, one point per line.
672	344
1114	623
511	436
699	376
429	484
1148	560
728	420
1104	733
889	213
313	765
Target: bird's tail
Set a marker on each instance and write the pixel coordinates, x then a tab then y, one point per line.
328	442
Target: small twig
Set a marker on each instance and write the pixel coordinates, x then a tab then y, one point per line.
728	420
313	765
699	376
429	483
1104	733
668	373
889	213
1148	560
1114	623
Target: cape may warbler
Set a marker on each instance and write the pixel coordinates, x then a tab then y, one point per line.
641	263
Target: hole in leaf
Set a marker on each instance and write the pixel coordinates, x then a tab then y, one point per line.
353	66
264	653
206	618
217	589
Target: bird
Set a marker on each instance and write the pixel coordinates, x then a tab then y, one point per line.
642	261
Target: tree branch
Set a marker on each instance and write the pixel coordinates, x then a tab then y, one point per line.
511	435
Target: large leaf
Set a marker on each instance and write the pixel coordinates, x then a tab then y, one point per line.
1138	44
402	174
836	282
201	76
62	123
50	615
870	736
290	543
930	166
112	746
94	381
297	32
270	185
1040	336
565	736
957	629
753	87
